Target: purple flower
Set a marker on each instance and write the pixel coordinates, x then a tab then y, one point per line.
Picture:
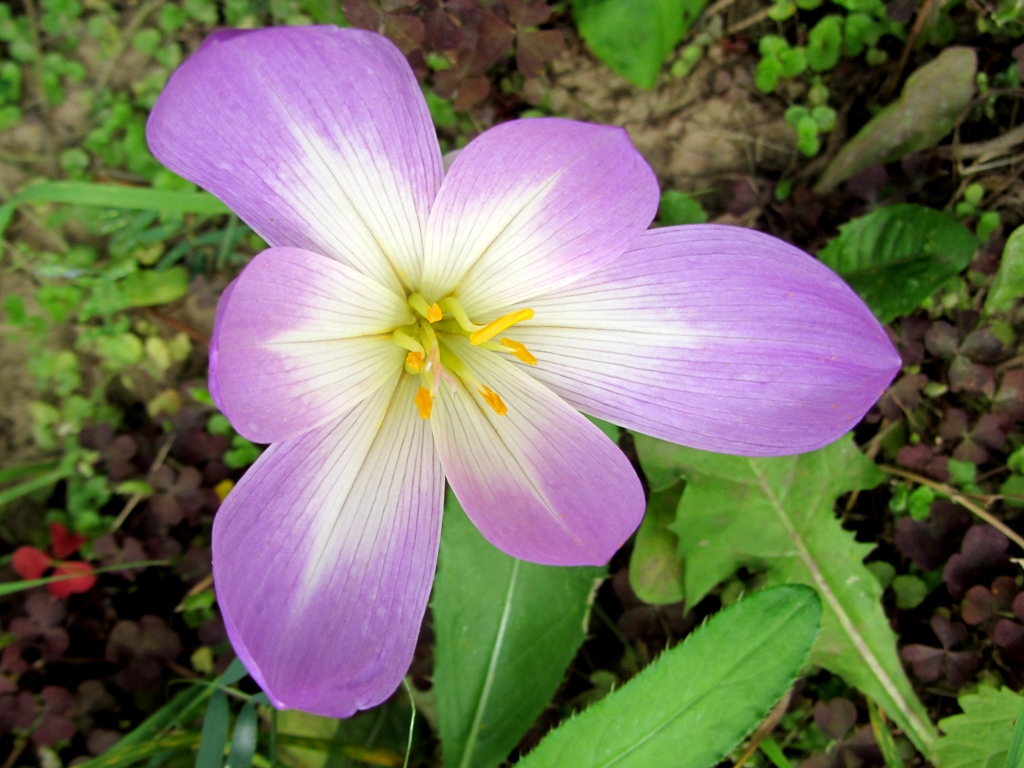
409	325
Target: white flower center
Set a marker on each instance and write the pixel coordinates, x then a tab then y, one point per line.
432	358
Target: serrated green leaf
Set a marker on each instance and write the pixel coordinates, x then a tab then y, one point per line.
980	737
505	632
634	38
699	699
1008	285
776	515
896	257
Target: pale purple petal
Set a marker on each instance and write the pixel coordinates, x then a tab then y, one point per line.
715	337
299	339
541	482
532	205
324	553
318	137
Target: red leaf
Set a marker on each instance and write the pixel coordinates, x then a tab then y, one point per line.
63	543
68	587
30	563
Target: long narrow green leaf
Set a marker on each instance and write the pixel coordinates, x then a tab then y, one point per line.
243	740
699	699
119	196
18	586
506	630
215	732
13	474
34	484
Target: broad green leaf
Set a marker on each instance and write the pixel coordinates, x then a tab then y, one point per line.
776	515
1015	756
928	107
698	700
896	257
980	737
633	38
655	572
215	732
505	632
1008	285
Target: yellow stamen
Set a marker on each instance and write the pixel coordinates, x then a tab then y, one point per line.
434	313
491	398
519	351
414	361
505	322
424	402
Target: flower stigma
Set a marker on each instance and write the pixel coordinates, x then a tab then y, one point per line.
430	356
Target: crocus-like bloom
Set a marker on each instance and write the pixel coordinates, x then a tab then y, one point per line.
410	324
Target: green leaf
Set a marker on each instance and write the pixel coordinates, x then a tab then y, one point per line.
506	631
1015	758
931	102
776	515
824	43
634	38
699	699
980	737
215	732
243	740
655	572
1008	285
151	287
678	208
896	257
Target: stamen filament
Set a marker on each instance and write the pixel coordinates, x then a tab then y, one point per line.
454	308
504	322
405	341
519	351
418	303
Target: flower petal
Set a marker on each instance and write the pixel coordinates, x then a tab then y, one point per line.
319	138
324	553
715	337
531	205
300	339
541	482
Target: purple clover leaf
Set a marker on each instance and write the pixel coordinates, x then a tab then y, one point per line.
411	325
930	663
981	558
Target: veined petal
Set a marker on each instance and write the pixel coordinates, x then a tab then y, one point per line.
541	482
324	554
318	137
299	340
715	337
532	205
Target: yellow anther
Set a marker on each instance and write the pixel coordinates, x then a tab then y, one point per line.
519	351
491	398
491	330
424	402
434	313
414	361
